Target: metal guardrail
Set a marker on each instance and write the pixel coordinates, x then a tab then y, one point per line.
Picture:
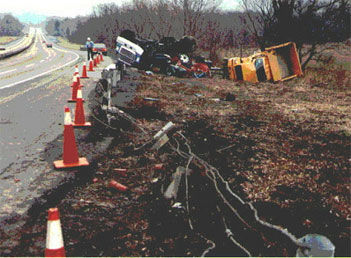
24	44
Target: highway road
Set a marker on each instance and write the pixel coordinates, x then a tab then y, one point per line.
21	76
34	88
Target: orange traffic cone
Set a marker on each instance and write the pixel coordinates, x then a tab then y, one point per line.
54	238
74	92
91	69
98	59
84	72
101	58
76	71
95	63
78	81
118	186
74	81
70	153
79	117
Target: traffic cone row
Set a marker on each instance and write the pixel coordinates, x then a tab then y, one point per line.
92	63
70	158
70	153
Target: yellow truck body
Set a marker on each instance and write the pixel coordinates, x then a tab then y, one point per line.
277	63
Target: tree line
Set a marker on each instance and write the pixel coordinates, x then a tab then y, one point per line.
260	23
10	26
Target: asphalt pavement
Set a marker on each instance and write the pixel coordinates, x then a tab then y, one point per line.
34	88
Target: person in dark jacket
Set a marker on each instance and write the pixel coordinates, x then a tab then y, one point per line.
90	45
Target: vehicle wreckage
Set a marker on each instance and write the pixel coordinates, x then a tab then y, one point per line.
277	63
171	57
167	56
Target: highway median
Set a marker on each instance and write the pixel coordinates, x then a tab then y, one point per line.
22	45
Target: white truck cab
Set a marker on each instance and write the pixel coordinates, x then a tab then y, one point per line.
129	52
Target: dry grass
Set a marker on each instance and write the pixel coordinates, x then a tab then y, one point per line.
5	40
289	142
66	44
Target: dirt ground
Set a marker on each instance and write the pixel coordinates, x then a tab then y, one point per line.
283	147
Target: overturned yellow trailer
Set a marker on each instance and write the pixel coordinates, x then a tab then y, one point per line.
277	63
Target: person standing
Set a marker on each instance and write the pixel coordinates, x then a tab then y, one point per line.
90	45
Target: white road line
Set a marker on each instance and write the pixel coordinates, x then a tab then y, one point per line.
41	74
9	71
29	65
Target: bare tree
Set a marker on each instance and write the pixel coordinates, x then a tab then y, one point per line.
10	26
192	13
309	23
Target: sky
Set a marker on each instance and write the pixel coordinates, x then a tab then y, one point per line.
64	8
36	10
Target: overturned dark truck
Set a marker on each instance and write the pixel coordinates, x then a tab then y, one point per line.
168	56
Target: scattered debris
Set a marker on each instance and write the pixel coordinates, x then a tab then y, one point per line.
121	171
164	130
151	99
160	142
155	180
172	189
159	166
114	184
177	205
